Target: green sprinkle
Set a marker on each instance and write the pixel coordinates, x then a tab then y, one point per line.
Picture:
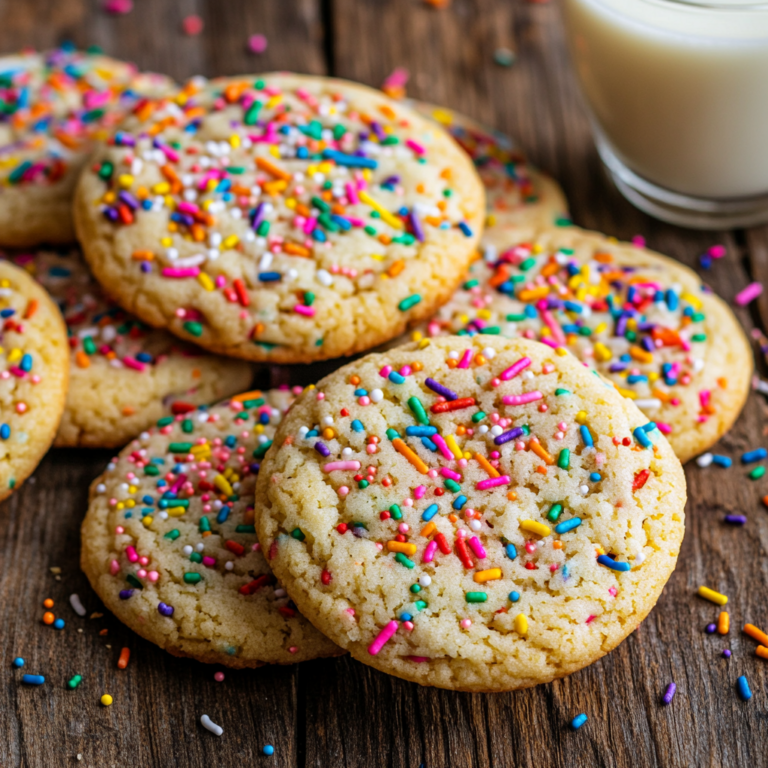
757	473
251	116
476	597
369	230
205	525
106	170
192	578
560	391
554	512
564	459
479	416
452	485
196	329
515	318
699	337
259	452
74	682
396	512
196	557
187	426
180	447
563	221
165	421
491	330
259	401
409	302
415	588
133	581
298	534
363	484
263	229
403	560
151	470
418	410
321	204
338	131
172	535
392	433
471	284
527	264
88	346
309	298
245	529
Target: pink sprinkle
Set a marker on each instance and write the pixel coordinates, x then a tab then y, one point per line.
416	147
527	397
114	567
352	193
553	325
664	428
514	369
717	251
549	341
218	677
440	443
445	472
477	548
131	362
590	619
429	552
257	44
192	25
419	491
209	562
385	371
492	482
181	271
750	293
342	465
382	638
132	554
18	372
418	659
465	359
306	311
638	241
118	7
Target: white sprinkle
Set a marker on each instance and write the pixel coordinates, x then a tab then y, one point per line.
77	606
648	403
377	395
454	355
475	525
209	725
328	420
101	488
187	550
229	565
425	580
584	489
482	429
496	430
528	375
346	452
760	385
489	353
704	460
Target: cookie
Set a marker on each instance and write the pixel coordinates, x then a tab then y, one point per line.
56	106
34	370
168	542
282	218
478	514
644	321
124	374
516	193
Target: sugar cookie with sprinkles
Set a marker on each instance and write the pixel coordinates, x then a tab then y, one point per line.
34	370
55	106
124	374
477	514
644	321
516	192
168	542
282	218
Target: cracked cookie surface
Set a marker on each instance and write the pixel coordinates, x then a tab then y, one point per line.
168	542
478	514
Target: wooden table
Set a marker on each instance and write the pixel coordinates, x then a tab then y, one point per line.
339	712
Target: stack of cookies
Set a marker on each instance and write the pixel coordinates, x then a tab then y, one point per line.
490	499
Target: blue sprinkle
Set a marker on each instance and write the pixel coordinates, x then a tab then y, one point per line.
268	750
223	514
361	392
5	431
357	426
39	680
405	617
396	378
427	443
514	596
568	525
460	501
18	662
511	554
641	437
595	477
429	513
58	624
742	683
757	455
465	228
649	427
269	277
420	431
26	363
609	562
578	721
586	436
722	461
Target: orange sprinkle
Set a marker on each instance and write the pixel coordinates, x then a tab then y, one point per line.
254	394
723	623
512	496
396	268
128	410
538	449
48	618
487	466
354	380
122	662
143	255
557	544
762	651
541	469
272	169
31	309
408	453
428	530
756	634
47	603
294	249
82	360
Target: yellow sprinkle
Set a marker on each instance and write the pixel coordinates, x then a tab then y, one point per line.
424	343
486	465
412	457
581	417
490	575
538	528
521	624
176	511
453	446
125	180
230	242
14	355
602	328
106	700
234	140
166	242
602	353
383	212
628	393
712	596
147	520
205	280
561	352
161	188
223	485
401	546
691	299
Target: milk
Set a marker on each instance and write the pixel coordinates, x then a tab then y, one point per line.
678	92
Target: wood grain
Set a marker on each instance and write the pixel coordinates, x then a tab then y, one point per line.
338	712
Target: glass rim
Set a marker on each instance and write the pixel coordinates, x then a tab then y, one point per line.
715	5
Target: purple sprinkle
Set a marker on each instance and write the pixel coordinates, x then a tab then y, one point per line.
166	610
125	593
111	214
735	519
418	230
258	215
711	629
727	653
670	694
127	198
255	467
505	437
436	386
322	449
146	267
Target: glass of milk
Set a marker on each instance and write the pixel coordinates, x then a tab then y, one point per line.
678	97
